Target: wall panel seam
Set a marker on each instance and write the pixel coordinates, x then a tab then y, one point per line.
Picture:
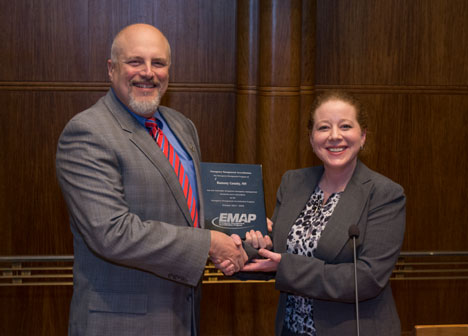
104	86
396	89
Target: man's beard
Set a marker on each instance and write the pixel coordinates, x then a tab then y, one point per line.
144	107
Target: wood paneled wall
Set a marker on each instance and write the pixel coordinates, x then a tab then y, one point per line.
245	72
407	61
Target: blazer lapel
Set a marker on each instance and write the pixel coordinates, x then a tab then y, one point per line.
347	212
177	129
143	141
192	150
295	203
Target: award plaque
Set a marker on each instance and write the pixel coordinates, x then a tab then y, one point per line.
233	197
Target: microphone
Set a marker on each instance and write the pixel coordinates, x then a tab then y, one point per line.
353	233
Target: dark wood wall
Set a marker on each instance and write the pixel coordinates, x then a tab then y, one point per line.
407	60
245	72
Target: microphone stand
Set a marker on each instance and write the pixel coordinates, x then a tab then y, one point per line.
353	234
356	286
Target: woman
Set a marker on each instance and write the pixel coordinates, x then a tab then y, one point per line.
312	254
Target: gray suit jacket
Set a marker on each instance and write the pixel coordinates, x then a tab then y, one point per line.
138	260
377	206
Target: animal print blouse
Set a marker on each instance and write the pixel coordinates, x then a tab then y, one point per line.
302	239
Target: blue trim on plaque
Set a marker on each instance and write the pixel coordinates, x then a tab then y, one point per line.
233	197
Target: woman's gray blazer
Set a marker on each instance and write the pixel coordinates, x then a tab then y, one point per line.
377	206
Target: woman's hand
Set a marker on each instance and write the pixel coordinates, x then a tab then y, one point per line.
263	265
256	240
269	225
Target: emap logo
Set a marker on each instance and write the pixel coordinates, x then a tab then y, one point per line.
227	219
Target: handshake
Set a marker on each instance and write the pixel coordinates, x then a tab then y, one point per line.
227	252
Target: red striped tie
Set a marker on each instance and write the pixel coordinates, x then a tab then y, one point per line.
174	160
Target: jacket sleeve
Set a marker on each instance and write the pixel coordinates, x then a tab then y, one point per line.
377	253
89	170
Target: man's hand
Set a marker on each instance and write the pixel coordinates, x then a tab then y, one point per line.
227	253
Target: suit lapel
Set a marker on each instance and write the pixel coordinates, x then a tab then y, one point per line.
295	201
191	148
140	137
348	211
177	129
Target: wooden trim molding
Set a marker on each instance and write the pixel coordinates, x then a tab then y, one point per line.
395	89
37	270
104	86
243	89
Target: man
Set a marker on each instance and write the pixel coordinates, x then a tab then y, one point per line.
139	253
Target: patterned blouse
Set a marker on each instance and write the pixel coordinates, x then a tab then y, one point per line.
302	240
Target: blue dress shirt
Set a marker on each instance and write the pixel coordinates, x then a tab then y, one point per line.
185	159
